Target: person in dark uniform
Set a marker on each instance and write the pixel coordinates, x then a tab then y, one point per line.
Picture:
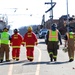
69	41
52	39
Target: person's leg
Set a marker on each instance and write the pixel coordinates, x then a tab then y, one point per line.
2	53
55	47
30	53
13	53
50	50
17	53
7	52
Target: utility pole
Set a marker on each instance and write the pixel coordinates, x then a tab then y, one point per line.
51	17
43	21
51	10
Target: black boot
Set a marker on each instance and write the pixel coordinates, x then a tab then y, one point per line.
54	59
1	61
51	57
17	59
70	60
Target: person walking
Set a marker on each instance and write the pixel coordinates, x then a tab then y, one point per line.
0	46
53	37
5	41
16	41
30	40
69	42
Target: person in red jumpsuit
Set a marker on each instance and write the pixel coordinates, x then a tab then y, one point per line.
16	42
30	40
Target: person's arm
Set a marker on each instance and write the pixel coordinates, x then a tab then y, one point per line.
59	37
66	40
47	35
9	37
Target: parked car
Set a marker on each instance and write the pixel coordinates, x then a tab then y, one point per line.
42	33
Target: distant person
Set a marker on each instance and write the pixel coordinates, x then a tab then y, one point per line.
16	42
5	41
52	39
30	40
69	41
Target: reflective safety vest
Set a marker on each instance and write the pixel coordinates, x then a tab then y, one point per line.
4	38
70	35
53	35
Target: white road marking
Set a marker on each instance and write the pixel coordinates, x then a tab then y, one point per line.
10	69
39	59
38	65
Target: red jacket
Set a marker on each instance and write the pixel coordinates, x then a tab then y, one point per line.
16	40
30	39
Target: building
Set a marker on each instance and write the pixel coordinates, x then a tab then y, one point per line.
62	23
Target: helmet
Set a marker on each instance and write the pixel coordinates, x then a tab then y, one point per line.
29	28
54	25
16	30
5	29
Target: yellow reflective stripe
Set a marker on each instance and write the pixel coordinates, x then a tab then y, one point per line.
23	42
71	58
15	46
17	57
54	56
30	57
29	45
13	57
51	53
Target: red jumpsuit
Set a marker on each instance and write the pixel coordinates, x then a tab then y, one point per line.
16	41
30	41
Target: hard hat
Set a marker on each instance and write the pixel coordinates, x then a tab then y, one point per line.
54	25
16	30
29	28
5	29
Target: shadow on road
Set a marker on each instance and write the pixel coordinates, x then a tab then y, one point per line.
13	62
45	62
26	62
56	63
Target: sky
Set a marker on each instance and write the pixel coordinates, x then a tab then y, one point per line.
30	12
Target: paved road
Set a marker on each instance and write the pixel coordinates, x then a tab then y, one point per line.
41	64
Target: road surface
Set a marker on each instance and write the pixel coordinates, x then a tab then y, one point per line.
41	64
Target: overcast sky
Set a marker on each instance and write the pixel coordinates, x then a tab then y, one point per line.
30	12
